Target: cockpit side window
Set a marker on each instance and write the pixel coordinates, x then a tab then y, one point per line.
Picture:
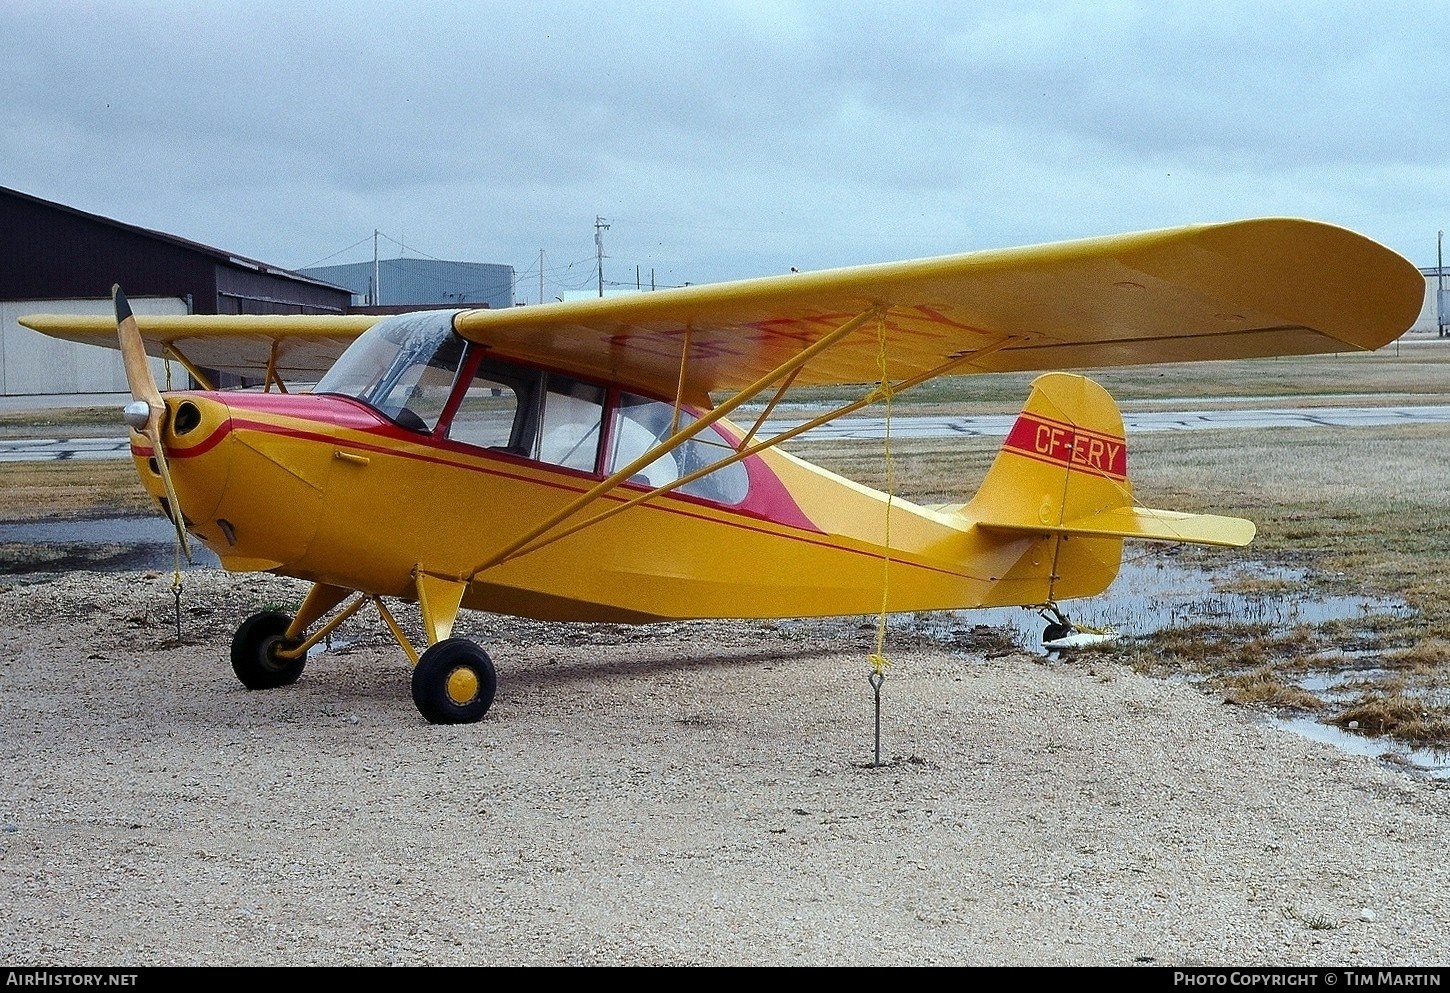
499	409
407	368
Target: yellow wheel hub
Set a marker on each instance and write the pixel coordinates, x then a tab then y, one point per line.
462	685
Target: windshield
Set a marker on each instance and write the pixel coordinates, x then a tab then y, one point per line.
404	366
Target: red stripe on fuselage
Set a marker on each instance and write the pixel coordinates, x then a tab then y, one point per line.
343	412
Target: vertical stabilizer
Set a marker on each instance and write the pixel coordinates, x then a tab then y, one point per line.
1065	458
1060	498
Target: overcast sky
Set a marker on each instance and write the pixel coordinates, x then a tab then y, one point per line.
723	140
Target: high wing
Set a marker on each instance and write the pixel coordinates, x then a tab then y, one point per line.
1240	289
1243	289
294	347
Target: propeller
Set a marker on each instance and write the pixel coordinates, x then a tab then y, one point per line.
146	411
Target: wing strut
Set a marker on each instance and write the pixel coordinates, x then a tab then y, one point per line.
679	438
169	349
744	452
769	408
272	375
680	386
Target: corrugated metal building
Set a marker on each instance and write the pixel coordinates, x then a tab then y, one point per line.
57	259
421	282
1435	314
34	364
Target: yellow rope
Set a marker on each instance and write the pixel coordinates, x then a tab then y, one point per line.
878	659
176	590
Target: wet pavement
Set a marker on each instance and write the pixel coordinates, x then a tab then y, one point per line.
63	449
104	544
1135	422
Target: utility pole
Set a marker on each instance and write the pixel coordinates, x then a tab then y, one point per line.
600	226
377	290
541	275
1440	286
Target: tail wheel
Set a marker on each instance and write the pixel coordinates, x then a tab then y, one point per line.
1055	631
454	682
254	649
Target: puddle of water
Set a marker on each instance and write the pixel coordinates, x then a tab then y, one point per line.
90	531
1153	594
330	645
1428	761
1341	687
116	543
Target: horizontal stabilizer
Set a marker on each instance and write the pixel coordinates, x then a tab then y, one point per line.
1148	525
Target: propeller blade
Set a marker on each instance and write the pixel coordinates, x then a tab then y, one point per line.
147	410
153	432
133	356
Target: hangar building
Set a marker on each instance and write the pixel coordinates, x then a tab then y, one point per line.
421	283
55	259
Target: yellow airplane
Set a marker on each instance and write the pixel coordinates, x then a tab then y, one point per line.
577	461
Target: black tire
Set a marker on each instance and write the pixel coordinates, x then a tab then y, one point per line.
254	648
1056	631
454	682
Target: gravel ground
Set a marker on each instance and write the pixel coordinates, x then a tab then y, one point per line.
693	794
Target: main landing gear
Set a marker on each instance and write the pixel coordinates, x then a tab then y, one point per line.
453	681
254	652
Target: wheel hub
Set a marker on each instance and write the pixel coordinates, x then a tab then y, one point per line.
462	685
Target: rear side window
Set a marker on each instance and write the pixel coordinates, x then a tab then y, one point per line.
640	424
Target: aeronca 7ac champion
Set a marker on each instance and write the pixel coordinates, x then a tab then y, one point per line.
577	461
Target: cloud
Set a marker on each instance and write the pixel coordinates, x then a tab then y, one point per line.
723	140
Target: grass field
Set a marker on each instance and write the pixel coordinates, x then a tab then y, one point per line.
1360	510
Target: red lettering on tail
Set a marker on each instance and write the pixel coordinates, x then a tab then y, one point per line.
1073	448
